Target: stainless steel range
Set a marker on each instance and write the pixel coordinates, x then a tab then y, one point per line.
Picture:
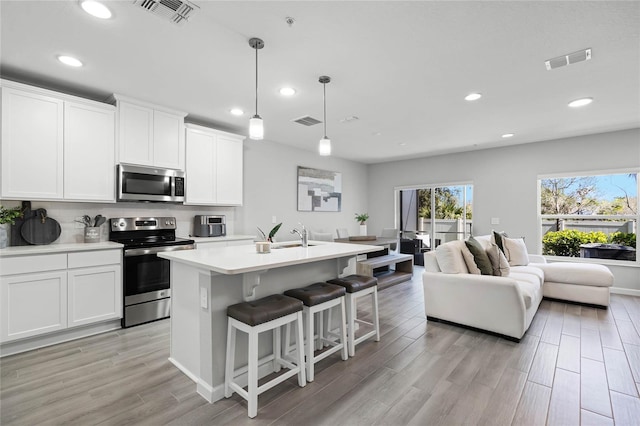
146	277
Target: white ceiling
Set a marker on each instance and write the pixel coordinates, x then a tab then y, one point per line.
403	68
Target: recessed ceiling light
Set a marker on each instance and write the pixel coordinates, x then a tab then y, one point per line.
473	97
69	60
580	102
287	91
402	144
95	8
236	111
508	135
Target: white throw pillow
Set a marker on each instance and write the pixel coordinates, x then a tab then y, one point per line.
470	262
516	251
498	261
450	259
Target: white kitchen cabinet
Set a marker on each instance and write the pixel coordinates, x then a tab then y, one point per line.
33	304
150	135
89	152
56	146
214	167
54	292
32	145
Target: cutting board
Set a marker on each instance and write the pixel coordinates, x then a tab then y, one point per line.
40	229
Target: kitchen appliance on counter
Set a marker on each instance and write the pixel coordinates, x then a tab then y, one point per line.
138	183
209	226
145	276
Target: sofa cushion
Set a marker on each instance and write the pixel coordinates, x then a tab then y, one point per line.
470	262
450	259
497	238
498	261
515	250
480	256
577	273
484	240
531	270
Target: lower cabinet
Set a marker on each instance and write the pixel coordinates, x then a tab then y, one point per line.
86	288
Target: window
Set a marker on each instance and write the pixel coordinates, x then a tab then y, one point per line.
590	216
436	214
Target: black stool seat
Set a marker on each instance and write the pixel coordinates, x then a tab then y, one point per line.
264	310
317	293
355	283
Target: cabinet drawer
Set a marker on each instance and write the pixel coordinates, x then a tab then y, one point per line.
29	264
94	258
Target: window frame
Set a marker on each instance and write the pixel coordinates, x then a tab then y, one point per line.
586	173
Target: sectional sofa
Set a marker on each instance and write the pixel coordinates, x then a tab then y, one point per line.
505	302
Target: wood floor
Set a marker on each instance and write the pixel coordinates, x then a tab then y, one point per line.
576	365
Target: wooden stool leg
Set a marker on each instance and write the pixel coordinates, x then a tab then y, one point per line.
376	322
343	331
300	345
277	350
252	384
287	339
230	359
310	346
318	343
351	319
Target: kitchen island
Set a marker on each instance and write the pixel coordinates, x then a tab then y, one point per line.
205	281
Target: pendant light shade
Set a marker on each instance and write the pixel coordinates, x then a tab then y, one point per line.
256	127
324	147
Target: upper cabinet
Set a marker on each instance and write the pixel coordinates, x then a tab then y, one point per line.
150	135
56	146
213	167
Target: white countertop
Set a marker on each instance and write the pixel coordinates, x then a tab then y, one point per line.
240	259
225	238
57	248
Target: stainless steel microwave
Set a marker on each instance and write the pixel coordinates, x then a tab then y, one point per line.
138	183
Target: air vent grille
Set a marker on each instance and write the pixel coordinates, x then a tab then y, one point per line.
569	59
306	121
176	11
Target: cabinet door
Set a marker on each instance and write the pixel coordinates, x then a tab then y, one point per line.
33	304
95	294
200	175
228	171
89	152
168	140
32	145
135	134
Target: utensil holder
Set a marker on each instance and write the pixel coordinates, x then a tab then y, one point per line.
92	234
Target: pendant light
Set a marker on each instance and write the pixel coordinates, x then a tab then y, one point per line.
324	148
256	128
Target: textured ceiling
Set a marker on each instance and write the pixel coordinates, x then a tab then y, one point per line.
403	68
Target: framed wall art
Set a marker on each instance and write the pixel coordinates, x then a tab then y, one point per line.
319	190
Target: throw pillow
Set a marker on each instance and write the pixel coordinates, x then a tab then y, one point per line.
498	261
498	236
450	259
471	263
479	256
515	251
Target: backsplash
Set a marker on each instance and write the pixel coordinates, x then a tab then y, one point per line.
66	213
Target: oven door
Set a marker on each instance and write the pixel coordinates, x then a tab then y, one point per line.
146	277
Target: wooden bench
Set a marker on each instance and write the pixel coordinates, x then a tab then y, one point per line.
403	268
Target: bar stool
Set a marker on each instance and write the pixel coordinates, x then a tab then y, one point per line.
318	298
253	318
358	286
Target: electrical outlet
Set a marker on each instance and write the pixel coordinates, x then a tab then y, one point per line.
204	300
495	221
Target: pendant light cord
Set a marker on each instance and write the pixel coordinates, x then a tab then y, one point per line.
324	102
256	81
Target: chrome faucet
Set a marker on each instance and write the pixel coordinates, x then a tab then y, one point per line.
302	234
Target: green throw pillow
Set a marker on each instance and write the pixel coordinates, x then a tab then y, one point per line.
480	256
498	237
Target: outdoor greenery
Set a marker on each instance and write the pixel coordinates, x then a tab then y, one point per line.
448	204
567	242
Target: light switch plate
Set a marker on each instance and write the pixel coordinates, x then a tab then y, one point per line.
204	300
495	221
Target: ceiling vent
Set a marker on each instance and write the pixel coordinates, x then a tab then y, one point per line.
571	58
306	121
176	11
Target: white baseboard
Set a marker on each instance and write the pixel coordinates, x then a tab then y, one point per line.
627	291
182	368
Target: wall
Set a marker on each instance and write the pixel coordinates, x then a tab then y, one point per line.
270	189
505	181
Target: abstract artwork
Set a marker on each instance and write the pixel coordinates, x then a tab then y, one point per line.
319	190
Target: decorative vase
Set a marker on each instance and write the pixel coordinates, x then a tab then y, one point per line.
92	234
363	230
4	235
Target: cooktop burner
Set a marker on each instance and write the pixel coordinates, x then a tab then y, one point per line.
145	232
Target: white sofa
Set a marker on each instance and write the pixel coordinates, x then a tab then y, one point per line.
504	305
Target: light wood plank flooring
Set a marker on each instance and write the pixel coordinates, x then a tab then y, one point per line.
576	365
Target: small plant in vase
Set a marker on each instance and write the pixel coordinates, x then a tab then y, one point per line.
7	217
362	218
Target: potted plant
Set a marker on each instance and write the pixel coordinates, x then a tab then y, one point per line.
362	218
7	217
265	245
